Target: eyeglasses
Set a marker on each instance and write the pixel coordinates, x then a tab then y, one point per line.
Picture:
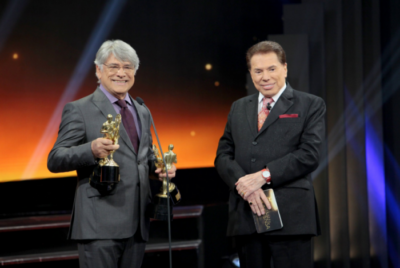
114	68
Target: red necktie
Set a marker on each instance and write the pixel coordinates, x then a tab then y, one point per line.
263	114
129	124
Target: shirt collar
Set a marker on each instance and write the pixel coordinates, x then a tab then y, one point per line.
112	98
275	98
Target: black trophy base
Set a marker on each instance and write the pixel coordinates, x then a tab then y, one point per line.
175	195
161	208
105	179
109	174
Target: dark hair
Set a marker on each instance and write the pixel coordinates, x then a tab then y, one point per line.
265	47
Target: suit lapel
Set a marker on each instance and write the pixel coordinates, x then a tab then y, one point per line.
251	111
106	108
283	104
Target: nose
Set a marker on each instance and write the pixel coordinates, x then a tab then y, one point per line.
121	72
265	76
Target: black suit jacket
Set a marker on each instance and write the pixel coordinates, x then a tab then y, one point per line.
289	147
118	214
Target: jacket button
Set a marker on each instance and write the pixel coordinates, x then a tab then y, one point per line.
138	162
254	143
253	160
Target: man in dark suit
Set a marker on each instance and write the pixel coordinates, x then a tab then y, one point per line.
272	140
111	229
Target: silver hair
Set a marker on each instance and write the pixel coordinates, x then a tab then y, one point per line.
121	50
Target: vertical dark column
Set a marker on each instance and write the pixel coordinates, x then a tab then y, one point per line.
308	19
374	144
390	37
354	122
298	57
338	197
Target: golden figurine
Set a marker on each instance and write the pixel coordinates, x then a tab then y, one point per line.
158	162
110	130
105	176
170	157
108	170
162	198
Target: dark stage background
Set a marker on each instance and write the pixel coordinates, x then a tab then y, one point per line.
48	55
346	51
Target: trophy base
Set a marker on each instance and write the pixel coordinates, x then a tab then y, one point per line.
109	174
174	193
105	179
161	208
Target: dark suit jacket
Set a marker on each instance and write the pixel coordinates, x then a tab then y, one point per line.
116	215
289	147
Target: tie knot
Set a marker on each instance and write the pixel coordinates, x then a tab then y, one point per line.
121	103
267	100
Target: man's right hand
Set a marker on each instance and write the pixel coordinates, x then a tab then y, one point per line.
102	147
257	200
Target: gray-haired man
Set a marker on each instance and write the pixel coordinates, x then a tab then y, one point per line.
112	229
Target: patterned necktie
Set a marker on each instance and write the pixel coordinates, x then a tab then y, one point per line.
129	124
263	114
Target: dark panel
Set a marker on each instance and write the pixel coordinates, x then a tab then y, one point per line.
390	29
297	55
309	19
304	42
339	232
374	134
354	122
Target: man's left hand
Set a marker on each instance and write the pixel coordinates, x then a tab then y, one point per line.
171	173
248	184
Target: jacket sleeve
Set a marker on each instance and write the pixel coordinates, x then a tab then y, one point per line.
225	163
305	159
71	150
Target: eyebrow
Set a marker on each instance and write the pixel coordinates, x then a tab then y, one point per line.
117	64
269	67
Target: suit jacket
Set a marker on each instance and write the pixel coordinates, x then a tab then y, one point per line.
116	215
289	147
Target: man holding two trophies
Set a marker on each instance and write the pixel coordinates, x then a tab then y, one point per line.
110	227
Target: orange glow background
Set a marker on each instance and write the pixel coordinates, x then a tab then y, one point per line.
189	104
191	121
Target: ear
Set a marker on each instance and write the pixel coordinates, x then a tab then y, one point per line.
98	72
286	69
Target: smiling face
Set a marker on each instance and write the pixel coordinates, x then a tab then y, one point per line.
267	73
114	78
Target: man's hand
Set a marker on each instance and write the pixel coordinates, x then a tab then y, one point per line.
248	184
171	173
102	147
257	200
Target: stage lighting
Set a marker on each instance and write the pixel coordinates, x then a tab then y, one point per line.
208	66
234	259
15	56
216	83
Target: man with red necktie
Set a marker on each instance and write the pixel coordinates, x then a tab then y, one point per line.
272	140
111	229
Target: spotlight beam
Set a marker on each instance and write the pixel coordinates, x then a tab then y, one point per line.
336	140
104	25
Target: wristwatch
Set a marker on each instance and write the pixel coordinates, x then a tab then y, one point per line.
266	175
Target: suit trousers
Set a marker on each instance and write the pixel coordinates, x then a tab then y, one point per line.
257	250
112	253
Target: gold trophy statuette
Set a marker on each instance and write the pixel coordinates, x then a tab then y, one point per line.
161	199
106	175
